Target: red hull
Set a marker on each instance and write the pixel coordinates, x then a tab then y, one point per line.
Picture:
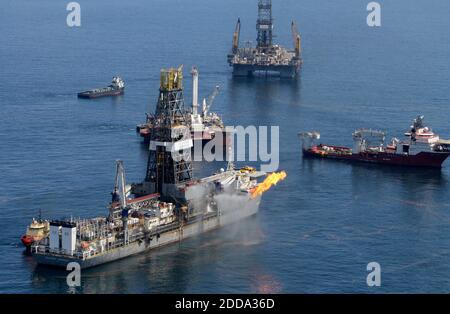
26	240
423	159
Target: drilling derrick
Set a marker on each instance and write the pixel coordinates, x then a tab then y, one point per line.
169	162
266	57
264	25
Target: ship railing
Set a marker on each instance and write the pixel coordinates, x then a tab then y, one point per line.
441	147
114	245
40	249
47	250
121	243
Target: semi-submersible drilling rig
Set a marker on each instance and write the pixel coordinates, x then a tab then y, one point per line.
168	206
266	57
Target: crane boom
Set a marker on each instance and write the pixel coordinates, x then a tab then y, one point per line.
207	103
120	185
236	35
297	40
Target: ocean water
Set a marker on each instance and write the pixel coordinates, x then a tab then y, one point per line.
317	230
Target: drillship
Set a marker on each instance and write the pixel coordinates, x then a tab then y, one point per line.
116	88
168	206
266	57
421	148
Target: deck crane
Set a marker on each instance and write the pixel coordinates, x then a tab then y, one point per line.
119	194
207	103
297	40
235	46
236	35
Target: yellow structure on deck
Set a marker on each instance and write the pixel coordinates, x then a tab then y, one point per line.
171	79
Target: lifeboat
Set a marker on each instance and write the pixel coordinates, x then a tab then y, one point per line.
27	240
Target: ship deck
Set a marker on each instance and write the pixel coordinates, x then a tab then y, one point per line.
422	159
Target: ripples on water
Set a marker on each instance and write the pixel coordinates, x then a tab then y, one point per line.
318	229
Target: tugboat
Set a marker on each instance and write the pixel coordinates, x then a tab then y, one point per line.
421	148
116	88
36	231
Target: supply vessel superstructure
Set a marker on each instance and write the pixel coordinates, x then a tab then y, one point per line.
420	148
37	230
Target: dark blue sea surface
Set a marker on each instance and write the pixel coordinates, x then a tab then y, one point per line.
317	230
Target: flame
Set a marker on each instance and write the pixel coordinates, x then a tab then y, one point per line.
272	179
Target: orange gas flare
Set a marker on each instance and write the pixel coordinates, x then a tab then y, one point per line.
272	179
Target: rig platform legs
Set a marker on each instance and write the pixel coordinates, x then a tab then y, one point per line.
240	70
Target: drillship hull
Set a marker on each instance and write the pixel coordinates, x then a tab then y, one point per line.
284	71
422	159
93	94
172	233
